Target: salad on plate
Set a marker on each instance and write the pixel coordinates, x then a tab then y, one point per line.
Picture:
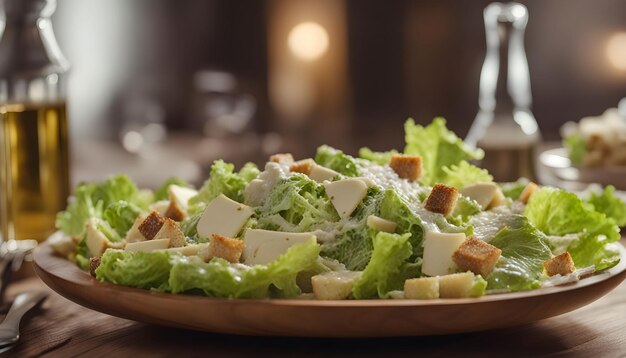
422	223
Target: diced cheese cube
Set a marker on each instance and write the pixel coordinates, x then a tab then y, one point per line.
423	288
346	195
181	194
62	244
380	224
134	235
189	250
321	174
334	285
483	193
438	250
148	245
96	241
160	206
457	285
263	246
498	199
224	217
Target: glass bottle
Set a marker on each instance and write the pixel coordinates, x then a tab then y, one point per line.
505	127
34	163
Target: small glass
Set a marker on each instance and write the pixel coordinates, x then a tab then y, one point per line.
34	153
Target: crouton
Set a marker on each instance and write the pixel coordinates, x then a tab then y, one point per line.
282	158
224	247
171	230
94	262
407	166
303	166
560	265
442	199
151	225
175	212
423	288
477	256
527	192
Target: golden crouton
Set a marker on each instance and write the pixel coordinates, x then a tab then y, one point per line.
477	256
151	225
560	265
225	247
175	211
303	166
407	166
442	199
527	192
282	158
171	230
423	288
94	262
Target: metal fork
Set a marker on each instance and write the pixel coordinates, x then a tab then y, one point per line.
12	255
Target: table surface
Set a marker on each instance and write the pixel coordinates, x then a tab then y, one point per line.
61	328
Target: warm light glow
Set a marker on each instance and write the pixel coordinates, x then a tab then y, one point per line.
308	41
616	50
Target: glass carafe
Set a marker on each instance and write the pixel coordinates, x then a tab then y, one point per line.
34	163
505	127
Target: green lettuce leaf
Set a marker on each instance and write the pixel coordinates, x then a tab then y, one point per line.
380	158
223	180
395	209
438	148
557	212
296	204
513	190
121	216
147	270
523	253
353	245
219	278
464	174
386	270
609	204
90	200
576	148
336	160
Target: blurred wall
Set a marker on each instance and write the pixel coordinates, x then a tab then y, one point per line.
404	58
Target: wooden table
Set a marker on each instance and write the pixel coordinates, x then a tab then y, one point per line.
61	328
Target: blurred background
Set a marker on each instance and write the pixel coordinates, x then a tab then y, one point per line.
180	83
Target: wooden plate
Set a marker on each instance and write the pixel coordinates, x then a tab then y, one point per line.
309	318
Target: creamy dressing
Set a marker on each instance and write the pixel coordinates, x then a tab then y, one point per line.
488	223
259	189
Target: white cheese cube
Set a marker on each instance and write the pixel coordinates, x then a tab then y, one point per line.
321	174
457	285
483	193
380	224
181	195
159	206
133	234
346	195
264	246
96	241
148	245
423	288
189	250
334	285
438	250
224	217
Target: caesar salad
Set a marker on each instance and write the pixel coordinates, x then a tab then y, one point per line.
421	223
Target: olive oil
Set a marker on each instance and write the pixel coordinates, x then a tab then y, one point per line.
34	174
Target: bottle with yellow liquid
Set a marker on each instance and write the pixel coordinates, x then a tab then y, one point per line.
34	158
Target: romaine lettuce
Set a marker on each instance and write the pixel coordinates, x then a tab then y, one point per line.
336	160
380	158
438	148
121	216
523	253
387	268
557	212
464	174
610	205
148	270
223	180
90	200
